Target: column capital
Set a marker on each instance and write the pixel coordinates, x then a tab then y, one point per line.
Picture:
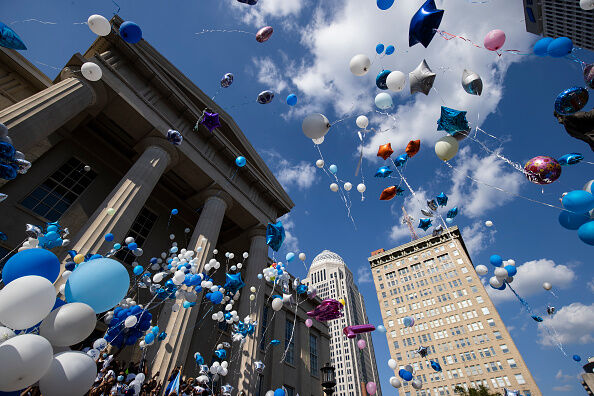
213	193
162	144
96	88
257	231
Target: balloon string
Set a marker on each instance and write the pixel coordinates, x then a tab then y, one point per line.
292	330
449	36
33	20
223	31
440	97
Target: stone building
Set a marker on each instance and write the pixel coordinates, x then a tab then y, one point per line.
117	127
432	280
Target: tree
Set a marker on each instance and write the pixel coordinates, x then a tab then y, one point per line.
480	391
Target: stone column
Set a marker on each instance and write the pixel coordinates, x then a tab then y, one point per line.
35	118
179	325
247	378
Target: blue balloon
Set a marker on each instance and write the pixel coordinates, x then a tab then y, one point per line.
149	338
380	80
573	221
188	304
571	100
215	297
449	220
290	256
384	4
240	161
424	24
511	270
578	201
560	47
577	358
109	237
379	48
496	260
117	246
292	99
390	50
405	375
100	283
138	270
155	330
383	172
541	47
279	392
260	276
333	169
435	365
38	262
133	246
9	39
381	328
570	159
586	233
199	359
130	32
174	211
52	227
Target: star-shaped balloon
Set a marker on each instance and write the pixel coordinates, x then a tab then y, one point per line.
9	39
390	193
442	199
275	235
233	282
452	213
413	147
385	151
383	172
422	351
401	160
424	24
210	120
452	121
221	354
421	79
424	224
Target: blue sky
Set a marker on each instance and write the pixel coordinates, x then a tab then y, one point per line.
308	55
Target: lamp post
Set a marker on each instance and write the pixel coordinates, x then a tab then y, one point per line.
328	379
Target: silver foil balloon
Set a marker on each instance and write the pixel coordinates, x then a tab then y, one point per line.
426	213
227	80
417	383
265	97
259	366
33	231
421	79
472	83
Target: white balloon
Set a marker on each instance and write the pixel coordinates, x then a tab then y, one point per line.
547	286
320	163
175	308
68	324
158	277
315	126
511	262
334	187
482	269
362	121
130	321
25	301
489	223
94	354
66	274
99	25
70	374
395	382
6	334
179	276
302	256
140	377
277	304
383	101
587	5
318	140
495	282
446	148
417	383
270	393
25	359
361	188
396	81
100	344
359	64
91	71
348	186
392	364
501	273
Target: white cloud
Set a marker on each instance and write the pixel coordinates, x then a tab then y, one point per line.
268	74
477	237
564	377
260	13
302	175
364	275
291	243
572	324
563	388
530	277
591	285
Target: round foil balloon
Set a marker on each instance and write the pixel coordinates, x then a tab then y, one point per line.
227	80
542	170
315	126
360	65
264	34
571	100
380	80
589	73
265	97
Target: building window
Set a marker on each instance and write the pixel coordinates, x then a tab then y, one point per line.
491	322
520	379
140	230
512	363
396	345
485	310
313	354
504	348
59	191
264	327
289	343
290	391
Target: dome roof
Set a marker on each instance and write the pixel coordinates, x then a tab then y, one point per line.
326	256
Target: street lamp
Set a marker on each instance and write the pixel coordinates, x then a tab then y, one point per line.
328	379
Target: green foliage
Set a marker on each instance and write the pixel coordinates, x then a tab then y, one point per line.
481	391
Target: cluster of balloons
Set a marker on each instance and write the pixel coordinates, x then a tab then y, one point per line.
579	205
380	48
504	271
556	48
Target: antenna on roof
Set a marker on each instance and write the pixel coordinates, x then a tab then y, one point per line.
408	221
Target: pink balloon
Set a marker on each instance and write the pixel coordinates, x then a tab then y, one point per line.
308	322
494	40
371	388
361	344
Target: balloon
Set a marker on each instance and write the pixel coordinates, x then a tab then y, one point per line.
384	4
547	285
264	34
71	373
279	392
6	334
111	211
91	71
361	188
570	159
329	309
412	148
39	262
396	81
69	324
320	163
589	187
405	375
385	151
542	46
589	72
26	358
318	141
408	321
585	233
571	100
308	322
587	5
390	50
359	65
573	221
130	32
417	383
210	120
352	331
99	25
25	301
379	48
227	80
248	2
334	187
578	201
292	99
452	121
265	97
9	38
130	321
347	186
383	101
409	368
494	40
94	354
101	283
100	344
481	269
380	80
577	358
290	256
362	121
489	223
442	199
501	273
138	270
472	83
371	386
542	170
421	79
392	364
560	47
315	126
333	169
495	282
496	260
361	344
149	338
277	304
424	24
381	329
390	192
383	172
446	148
302	256
395	382
240	161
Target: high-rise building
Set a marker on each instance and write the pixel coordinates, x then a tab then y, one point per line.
433	281
354	367
560	18
588	376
